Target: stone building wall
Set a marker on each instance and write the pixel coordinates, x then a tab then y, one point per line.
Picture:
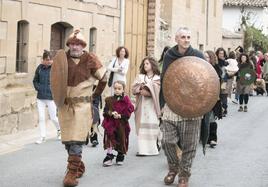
17	96
231	40
230	44
203	17
18	111
163	17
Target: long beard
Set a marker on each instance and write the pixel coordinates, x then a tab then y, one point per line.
76	54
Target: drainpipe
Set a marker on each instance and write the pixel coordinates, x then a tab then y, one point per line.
122	23
207	19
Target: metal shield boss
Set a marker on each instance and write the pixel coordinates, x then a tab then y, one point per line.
247	76
191	87
58	78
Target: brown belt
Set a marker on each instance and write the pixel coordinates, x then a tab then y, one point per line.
71	101
74	100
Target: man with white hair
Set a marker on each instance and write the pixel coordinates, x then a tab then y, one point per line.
83	69
179	134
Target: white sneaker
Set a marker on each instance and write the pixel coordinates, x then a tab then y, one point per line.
213	143
59	135
41	140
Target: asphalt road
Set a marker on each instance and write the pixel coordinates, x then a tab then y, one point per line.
239	160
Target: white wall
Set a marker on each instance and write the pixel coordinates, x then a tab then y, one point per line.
232	18
265	20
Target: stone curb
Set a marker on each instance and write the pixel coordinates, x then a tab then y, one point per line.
14	142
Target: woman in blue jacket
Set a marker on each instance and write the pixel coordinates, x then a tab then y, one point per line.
41	83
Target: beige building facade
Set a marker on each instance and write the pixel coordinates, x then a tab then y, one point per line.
27	27
158	24
203	17
231	40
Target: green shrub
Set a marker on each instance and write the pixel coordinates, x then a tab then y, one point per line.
255	38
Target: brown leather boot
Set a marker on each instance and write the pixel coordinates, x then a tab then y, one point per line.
170	177
183	182
81	169
72	171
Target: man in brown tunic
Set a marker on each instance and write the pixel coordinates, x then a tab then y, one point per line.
75	114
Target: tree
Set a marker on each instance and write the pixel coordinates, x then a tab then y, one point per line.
253	37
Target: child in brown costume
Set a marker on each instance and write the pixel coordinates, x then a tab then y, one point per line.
117	111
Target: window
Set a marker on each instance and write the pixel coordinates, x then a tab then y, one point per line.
201	47
188	3
92	39
22	46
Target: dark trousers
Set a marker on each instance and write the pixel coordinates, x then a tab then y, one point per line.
94	136
223	98
96	103
213	132
243	98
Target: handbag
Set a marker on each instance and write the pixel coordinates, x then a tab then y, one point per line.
111	77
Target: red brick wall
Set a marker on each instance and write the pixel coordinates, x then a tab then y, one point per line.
151	27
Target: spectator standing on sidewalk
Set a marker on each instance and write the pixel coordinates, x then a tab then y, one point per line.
41	84
243	89
265	72
118	67
160	61
216	112
259	64
96	104
221	55
231	70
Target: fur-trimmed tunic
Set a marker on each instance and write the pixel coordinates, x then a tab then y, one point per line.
75	121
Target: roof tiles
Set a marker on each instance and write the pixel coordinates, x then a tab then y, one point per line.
253	3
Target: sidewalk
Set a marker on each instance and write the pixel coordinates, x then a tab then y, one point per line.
14	142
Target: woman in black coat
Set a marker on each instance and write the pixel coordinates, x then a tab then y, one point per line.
209	124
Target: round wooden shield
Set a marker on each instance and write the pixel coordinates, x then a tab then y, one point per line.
58	77
191	87
247	76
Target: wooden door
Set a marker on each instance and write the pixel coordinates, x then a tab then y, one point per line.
135	36
57	38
